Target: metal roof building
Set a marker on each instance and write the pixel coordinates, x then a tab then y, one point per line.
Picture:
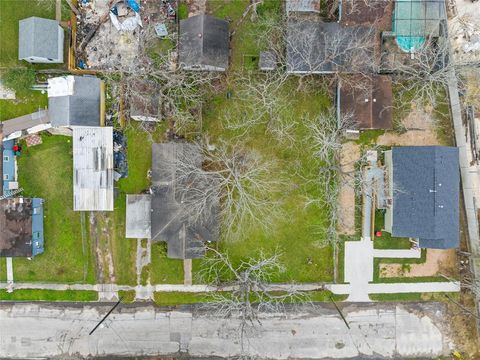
138	217
204	43
93	168
368	100
171	220
21	221
40	41
424	182
74	101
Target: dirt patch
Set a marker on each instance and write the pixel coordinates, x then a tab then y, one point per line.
196	7
420	130
350	154
437	262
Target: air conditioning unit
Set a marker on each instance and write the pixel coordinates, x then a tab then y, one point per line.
12	185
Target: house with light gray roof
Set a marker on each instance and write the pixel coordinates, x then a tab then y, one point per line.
74	101
40	41
423	195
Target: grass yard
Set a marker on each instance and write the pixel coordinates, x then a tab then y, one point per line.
24	105
139	162
48	295
297	231
386	241
11	12
46	171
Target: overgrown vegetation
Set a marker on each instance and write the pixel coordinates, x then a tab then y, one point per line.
19	79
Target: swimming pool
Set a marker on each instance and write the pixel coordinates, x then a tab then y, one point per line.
414	20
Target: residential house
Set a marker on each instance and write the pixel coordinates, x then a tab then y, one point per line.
171	217
93	169
422	199
75	101
365	102
21	221
204	43
40	41
9	168
316	47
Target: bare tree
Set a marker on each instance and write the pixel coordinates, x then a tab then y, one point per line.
238	179
245	289
427	71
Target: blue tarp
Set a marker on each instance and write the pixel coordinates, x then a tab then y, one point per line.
134	5
37	226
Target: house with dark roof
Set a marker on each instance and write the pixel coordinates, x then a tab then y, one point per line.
423	195
75	101
21	221
204	43
366	102
317	47
40	41
172	220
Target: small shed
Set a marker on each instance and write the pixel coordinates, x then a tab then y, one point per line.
303	6
40	41
144	101
268	61
204	43
74	101
138	224
367	100
93	169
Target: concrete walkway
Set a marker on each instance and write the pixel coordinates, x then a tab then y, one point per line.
9	274
359	255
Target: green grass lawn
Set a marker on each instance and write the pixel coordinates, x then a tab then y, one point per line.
24	105
387	241
296	233
49	295
46	171
11	12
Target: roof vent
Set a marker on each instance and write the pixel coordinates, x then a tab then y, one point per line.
199	35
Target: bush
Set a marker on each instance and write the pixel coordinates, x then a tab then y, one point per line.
21	80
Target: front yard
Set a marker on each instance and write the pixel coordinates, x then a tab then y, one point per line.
46	171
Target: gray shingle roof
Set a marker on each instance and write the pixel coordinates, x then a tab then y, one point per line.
170	219
426	184
80	109
204	41
38	37
322	47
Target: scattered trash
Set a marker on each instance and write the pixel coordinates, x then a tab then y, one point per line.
130	24
120	163
161	30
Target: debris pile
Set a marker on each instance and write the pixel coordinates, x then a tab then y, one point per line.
113	34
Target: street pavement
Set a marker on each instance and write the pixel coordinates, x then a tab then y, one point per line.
378	330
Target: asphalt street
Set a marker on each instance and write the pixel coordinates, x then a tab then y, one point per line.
379	330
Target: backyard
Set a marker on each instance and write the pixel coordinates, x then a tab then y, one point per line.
46	171
11	12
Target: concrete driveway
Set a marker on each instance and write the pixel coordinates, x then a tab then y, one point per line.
379	330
